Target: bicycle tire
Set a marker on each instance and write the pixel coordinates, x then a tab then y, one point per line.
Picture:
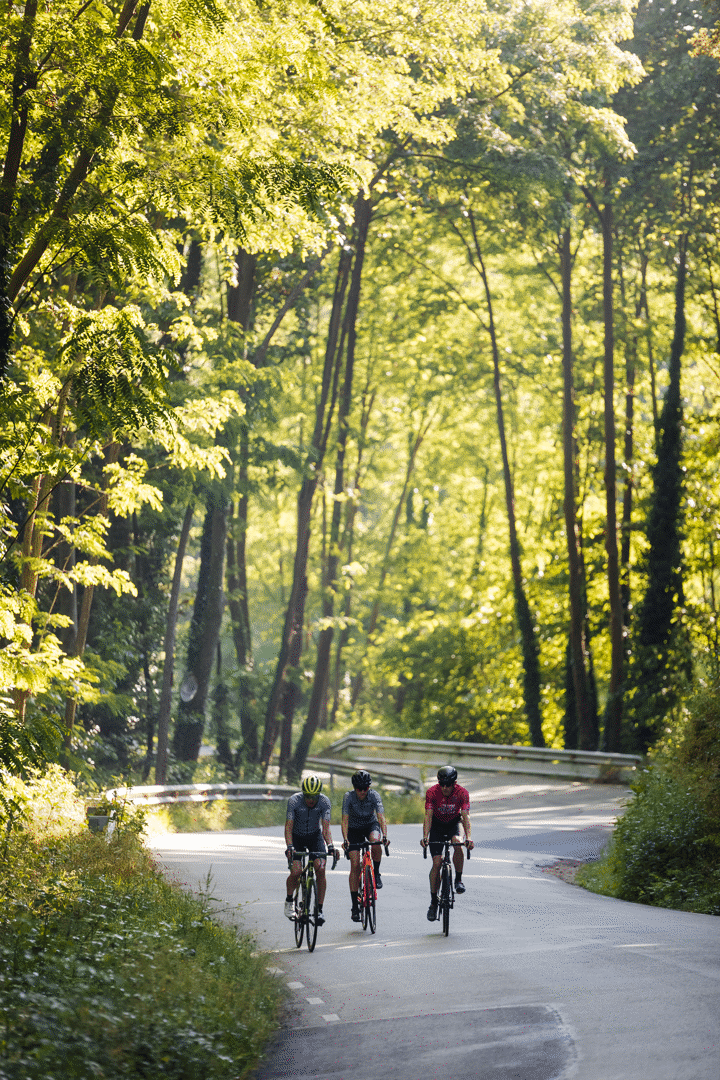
311	914
445	900
299	916
363	901
370	893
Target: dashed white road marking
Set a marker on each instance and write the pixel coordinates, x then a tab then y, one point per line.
315	1001
331	1017
275	971
295	985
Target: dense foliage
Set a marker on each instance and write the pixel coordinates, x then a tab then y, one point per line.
665	848
360	369
106	970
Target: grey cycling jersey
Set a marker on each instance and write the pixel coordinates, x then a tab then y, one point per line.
307	819
361	811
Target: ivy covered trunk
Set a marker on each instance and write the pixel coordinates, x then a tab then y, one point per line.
659	659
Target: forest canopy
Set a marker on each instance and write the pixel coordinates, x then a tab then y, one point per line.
358	366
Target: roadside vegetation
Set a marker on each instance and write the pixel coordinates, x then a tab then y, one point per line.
106	970
665	850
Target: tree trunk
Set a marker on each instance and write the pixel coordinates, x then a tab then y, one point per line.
581	730
416	440
313	466
204	632
614	704
657	661
322	665
220	716
530	650
169	646
240	297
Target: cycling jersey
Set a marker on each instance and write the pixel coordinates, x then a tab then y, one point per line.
307	819
361	812
441	831
447	808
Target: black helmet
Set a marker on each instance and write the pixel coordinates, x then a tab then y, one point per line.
447	775
361	779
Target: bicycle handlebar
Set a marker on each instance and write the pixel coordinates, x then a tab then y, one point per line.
368	844
426	844
313	855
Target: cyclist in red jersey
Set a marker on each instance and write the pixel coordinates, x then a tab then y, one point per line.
447	805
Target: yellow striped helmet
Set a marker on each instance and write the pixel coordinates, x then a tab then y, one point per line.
311	786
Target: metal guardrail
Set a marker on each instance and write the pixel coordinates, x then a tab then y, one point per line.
154	795
382	771
369	751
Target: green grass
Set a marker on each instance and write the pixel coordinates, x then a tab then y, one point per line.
106	970
226	814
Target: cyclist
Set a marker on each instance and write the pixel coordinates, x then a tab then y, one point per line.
446	806
363	818
307	828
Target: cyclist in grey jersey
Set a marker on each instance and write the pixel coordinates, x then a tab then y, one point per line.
363	818
307	820
307	828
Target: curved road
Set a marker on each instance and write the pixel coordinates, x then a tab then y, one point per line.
538	979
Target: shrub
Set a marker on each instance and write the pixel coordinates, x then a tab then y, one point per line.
663	850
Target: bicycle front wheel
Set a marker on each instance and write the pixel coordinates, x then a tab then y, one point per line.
445	900
370	889
299	916
364	897
311	914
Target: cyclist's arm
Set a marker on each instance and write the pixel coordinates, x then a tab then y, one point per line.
288	832
345	824
465	817
326	833
383	824
427	822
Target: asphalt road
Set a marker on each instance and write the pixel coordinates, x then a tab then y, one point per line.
538	979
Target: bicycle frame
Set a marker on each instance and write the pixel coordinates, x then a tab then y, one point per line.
446	892
305	899
367	893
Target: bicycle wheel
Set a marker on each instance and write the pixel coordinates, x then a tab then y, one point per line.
364	899
445	900
370	892
311	913
299	915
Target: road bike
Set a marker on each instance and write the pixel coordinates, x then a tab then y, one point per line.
305	900
367	891
446	893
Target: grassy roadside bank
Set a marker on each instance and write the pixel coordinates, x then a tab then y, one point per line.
108	971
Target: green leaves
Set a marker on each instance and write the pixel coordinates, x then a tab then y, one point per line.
117	375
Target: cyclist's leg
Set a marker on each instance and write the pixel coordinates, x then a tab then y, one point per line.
458	855
437	836
291	884
374	835
355	837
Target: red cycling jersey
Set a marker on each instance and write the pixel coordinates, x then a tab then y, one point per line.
447	807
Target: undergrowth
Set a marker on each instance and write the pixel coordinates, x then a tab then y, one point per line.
108	971
665	850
